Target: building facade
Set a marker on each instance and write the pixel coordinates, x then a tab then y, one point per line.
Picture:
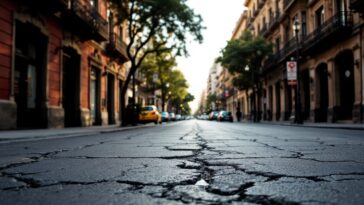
61	64
328	44
212	83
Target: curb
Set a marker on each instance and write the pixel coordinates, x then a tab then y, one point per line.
76	133
328	126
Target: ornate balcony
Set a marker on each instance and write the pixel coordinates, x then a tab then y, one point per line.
116	47
84	19
333	30
357	5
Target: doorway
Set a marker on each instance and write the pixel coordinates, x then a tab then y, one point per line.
111	98
30	76
344	64
270	109
71	87
306	94
322	93
95	105
288	100
278	100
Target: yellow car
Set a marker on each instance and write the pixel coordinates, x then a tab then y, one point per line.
150	113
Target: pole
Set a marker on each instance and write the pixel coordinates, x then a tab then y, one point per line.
134	115
254	99
361	72
298	117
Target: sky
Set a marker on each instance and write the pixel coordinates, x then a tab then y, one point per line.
220	18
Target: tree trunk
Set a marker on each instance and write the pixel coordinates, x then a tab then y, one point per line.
124	117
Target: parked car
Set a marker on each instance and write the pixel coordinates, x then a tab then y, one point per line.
165	116
225	116
213	115
178	117
150	113
204	116
172	116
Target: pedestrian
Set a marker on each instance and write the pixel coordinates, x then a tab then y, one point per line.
238	114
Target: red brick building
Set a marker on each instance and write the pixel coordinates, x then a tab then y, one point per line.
61	64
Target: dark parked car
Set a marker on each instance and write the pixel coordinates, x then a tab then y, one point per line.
225	116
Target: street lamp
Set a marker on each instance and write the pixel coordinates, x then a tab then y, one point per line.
298	117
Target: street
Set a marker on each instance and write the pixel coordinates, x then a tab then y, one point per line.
194	161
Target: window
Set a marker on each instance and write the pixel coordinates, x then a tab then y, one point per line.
278	42
319	17
304	23
271	16
277	8
287	29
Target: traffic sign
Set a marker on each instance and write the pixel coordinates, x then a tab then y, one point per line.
292	73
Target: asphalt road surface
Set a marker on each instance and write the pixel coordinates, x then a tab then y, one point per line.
197	162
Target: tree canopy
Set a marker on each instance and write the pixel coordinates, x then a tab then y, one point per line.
211	98
245	51
152	26
167	24
171	82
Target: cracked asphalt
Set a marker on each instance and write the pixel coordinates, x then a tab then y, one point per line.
197	162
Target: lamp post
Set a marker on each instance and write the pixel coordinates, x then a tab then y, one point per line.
253	106
298	114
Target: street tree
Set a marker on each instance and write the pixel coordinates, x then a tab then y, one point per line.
157	69
166	24
186	106
243	58
178	89
211	98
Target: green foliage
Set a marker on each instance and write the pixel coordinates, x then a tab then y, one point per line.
168	22
155	26
160	64
210	99
245	51
178	86
171	82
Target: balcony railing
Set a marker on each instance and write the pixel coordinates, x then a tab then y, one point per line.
337	25
334	29
274	21
287	3
117	47
357	5
86	19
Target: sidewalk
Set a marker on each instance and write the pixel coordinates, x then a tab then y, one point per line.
346	126
34	134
